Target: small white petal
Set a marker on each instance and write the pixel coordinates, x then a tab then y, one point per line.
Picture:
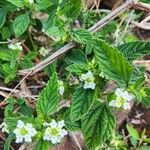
28	138
53	124
112	103
45	124
89	74
20	124
19	139
119	92
61	123
127	96
63	132
61	90
127	106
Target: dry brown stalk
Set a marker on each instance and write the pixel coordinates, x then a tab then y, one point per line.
128	4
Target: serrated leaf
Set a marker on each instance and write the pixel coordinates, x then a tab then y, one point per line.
76	56
69	124
5	55
9	72
72	8
21	24
26	63
146	98
112	63
133	132
77	68
42	4
18	3
138	73
81	102
98	125
49	99
12	121
6	32
81	36
42	145
90	46
135	50
8	141
2	16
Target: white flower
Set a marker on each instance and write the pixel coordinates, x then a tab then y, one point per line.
15	46
44	51
4	127
45	124
112	103
127	105
55	132
88	80
24	132
61	87
123	99
90	85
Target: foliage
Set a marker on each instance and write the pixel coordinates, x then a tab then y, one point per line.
84	73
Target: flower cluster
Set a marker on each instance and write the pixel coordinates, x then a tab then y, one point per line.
15	46
123	99
44	51
54	131
24	132
88	80
4	127
61	87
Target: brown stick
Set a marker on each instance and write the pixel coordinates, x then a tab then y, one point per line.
142	6
71	45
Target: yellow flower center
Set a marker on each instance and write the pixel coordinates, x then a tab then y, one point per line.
24	131
55	131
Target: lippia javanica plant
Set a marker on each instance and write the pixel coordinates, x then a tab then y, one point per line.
94	79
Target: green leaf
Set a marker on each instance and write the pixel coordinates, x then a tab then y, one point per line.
144	147
9	72
90	46
112	63
81	103
69	124
8	141
18	3
77	68
135	50
21	24
42	4
76	56
12	121
138	74
98	125
81	36
49	99
72	9
6	32
146	98
8	110
5	55
147	140
72	125
50	68
42	145
133	132
2	16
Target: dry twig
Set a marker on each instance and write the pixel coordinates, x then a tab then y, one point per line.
71	45
144	24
